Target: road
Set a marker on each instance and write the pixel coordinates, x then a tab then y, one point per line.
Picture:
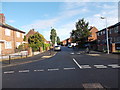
67	69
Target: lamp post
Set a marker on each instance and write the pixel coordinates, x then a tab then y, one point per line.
106	34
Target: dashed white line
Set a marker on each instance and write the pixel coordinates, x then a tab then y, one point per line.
77	63
54	69
24	70
78	53
69	68
100	66
9	72
39	70
85	66
72	53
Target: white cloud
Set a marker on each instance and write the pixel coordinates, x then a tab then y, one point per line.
41	24
10	21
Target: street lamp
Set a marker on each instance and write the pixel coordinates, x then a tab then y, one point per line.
106	35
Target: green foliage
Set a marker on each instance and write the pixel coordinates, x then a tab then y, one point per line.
53	35
24	39
35	41
58	40
22	47
45	45
81	33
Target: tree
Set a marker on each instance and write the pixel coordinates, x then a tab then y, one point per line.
24	39
35	41
58	40
53	36
81	33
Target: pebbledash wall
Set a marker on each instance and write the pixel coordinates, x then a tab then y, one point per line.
10	37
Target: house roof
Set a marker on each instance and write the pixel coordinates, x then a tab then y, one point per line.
110	26
10	27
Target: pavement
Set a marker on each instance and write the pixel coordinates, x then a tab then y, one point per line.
41	56
68	68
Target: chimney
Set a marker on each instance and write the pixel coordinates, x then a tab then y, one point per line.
2	18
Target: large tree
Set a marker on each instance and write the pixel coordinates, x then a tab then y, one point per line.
35	41
58	40
81	33
53	36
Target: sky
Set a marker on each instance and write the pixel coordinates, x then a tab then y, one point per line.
62	16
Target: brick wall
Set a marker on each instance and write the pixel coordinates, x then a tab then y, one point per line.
12	38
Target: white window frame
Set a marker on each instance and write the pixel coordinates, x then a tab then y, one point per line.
7	32
18	34
8	45
17	44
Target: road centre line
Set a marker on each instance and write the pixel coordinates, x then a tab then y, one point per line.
8	72
54	69
113	65
100	66
39	70
69	68
85	66
77	63
24	70
72	53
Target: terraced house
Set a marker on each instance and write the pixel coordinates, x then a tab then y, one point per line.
10	37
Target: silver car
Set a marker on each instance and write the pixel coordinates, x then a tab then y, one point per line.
57	48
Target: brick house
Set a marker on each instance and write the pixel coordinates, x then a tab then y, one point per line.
93	35
92	39
32	32
67	41
10	37
113	37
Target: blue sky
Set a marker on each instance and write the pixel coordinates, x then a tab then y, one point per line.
60	15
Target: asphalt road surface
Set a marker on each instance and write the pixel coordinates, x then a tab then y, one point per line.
67	69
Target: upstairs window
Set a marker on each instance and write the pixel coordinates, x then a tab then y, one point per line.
18	34
7	32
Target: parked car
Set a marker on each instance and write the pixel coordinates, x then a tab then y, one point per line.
69	46
57	48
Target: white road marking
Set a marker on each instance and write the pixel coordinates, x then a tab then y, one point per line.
69	68
39	70
77	63
100	66
85	66
54	69
72	53
24	70
114	65
78	53
8	72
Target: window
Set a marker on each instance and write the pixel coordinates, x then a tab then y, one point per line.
116	29
118	39
17	44
18	34
98	34
7	32
23	35
8	45
110	31
103	32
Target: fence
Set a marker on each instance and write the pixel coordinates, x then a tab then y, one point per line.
7	58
